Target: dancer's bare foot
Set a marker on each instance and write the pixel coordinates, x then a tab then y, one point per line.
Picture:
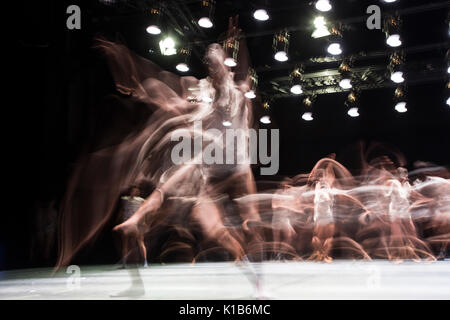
132	227
321	250
260	291
128	228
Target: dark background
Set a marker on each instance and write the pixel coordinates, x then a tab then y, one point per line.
63	96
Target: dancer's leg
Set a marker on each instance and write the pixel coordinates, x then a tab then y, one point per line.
143	249
135	227
154	201
124	251
207	214
322	241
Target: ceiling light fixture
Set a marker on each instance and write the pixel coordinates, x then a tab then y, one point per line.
182	67
265	120
155	19
167	47
281	45
392	28
345	72
307	116
334	49
207	11
394	40
321	29
401	107
184	55
323	5
261	15
396	67
253	77
353	112
231	48
397	77
296	77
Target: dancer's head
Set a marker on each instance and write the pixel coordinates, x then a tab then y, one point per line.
214	60
402	174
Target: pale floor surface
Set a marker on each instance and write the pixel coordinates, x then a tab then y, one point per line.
221	281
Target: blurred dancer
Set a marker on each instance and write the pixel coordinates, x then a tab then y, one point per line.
176	103
129	205
226	103
324	224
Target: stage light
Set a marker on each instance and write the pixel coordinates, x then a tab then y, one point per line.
448	70
261	15
396	67
296	78
448	101
182	67
346	84
400	99
401	107
153	29
265	120
281	46
207	11
397	77
353	102
334	41
307	116
394	41
231	48
334	49
323	5
230	62
345	73
184	55
353	112
296	89
392	27
321	29
155	19
389	1
253	78
250	94
281	56
226	124
205	23
167	46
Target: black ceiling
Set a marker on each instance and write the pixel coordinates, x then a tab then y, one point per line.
421	133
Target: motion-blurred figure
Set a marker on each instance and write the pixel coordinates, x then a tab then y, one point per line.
226	103
130	203
324	224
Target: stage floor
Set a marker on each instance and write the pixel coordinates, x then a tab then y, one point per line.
221	281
